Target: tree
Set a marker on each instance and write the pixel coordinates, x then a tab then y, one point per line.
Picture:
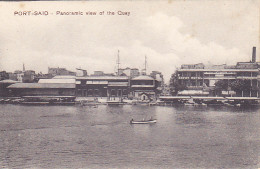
175	85
221	85
241	85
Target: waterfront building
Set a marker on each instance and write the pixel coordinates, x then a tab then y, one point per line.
42	89
4	92
144	88
58	80
199	79
102	86
204	80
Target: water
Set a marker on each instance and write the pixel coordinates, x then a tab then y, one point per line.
85	137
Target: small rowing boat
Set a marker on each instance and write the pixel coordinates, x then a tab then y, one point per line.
143	121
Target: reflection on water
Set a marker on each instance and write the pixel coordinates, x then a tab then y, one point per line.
102	137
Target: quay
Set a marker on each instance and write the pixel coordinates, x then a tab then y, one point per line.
162	101
190	85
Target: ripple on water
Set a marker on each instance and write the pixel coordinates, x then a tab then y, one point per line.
76	137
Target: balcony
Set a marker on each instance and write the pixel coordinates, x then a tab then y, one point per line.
141	86
220	78
246	77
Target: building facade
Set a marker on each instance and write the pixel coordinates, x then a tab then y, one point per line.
41	89
60	71
4	75
102	86
28	76
144	88
240	80
130	72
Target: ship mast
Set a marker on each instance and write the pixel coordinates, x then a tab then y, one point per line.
118	63
145	64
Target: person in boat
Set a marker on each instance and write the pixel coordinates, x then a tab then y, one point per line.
151	119
131	120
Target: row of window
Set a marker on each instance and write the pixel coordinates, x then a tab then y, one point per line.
201	74
102	93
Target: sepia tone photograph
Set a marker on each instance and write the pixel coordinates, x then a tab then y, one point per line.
127	85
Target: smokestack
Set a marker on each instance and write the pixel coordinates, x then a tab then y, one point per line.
254	55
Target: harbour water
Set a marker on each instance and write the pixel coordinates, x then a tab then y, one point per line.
88	137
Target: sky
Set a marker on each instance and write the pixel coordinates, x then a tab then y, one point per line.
169	33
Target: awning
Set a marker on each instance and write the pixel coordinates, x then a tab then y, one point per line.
142	86
208	98
174	97
97	82
243	98
124	84
193	92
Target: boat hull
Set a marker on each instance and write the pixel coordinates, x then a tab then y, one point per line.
143	122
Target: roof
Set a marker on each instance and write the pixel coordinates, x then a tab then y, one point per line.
9	81
218	70
243	98
208	98
48	96
64	77
103	78
57	81
143	77
174	97
42	85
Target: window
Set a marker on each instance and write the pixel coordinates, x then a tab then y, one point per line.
96	92
124	92
113	92
90	92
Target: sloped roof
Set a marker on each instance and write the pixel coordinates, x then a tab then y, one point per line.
57	81
42	85
9	81
103	78
143	77
64	77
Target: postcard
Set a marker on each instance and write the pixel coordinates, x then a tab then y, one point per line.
129	84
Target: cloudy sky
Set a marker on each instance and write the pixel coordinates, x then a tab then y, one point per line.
169	33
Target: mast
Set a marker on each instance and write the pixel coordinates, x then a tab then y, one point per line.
145	64
23	68
118	63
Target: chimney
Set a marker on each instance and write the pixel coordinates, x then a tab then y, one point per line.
254	55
